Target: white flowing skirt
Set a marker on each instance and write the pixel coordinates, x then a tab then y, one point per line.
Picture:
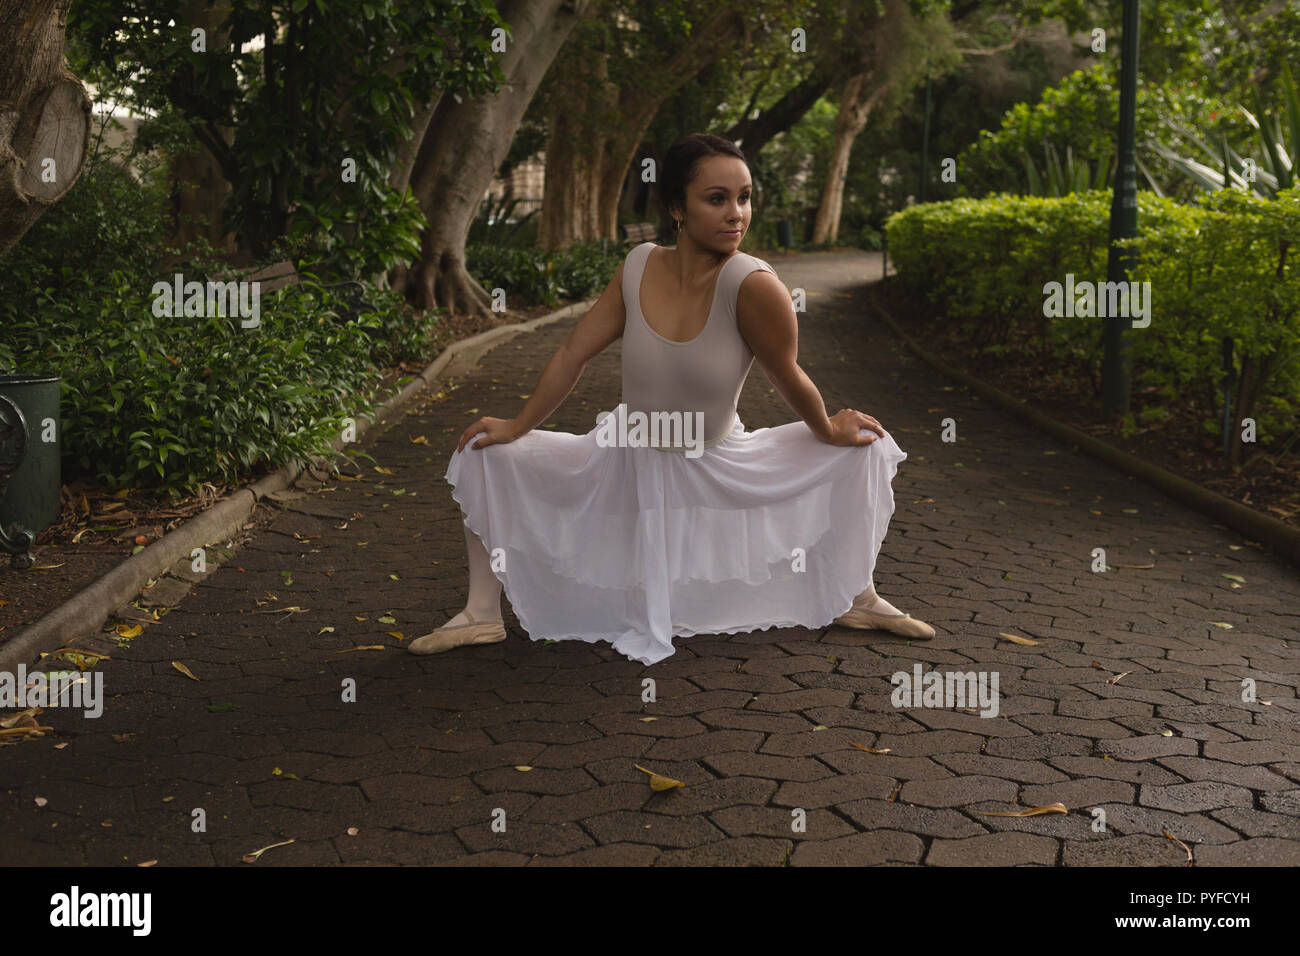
636	545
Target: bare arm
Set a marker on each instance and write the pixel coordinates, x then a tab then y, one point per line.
766	319
593	333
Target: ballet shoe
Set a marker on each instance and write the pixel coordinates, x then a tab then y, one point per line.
903	625
445	638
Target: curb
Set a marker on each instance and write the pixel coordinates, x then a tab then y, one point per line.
88	609
1280	537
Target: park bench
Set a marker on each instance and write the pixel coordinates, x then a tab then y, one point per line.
284	273
639	232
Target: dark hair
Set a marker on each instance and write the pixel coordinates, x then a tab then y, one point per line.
680	167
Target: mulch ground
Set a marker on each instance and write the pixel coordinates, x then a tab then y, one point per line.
100	527
1267	482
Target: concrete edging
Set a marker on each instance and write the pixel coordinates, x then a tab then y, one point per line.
89	608
1279	536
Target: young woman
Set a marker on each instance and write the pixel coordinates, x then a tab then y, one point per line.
635	543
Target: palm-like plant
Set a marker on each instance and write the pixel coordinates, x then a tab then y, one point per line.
1061	179
1228	168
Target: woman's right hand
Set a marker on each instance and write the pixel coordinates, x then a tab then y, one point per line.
846	425
495	431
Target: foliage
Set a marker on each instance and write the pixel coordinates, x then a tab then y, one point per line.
539	277
298	86
1222	268
1272	169
1081	114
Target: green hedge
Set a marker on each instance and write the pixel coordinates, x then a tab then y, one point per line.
1224	267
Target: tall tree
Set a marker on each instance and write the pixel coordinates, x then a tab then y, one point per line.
44	115
464	144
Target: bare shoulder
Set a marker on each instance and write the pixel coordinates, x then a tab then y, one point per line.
761	291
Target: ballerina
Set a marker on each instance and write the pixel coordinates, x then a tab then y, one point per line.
636	544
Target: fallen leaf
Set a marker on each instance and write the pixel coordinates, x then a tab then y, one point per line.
46	567
387	619
1223	624
1017	639
41	801
366	647
419	440
184	670
646	720
1032	811
1185	847
1118	677
524	768
325	630
147	863
397	634
1166	733
659	781
1136	567
123	738
353	831
1235	577
382	470
128	630
253	857
870	750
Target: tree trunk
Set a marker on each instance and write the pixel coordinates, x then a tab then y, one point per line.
44	115
855	106
587	155
464	145
198	184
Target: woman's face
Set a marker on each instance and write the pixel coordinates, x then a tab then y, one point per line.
717	204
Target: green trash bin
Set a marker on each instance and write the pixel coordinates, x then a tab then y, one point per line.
30	474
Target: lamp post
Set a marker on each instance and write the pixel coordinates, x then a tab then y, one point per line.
1117	362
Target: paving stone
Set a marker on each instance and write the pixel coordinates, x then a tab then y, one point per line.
765	765
1254	823
739	851
1188	827
881	814
1086	792
1195	797
994	849
1196	768
860	849
834	790
1259	851
1132	771
1132	850
1148	747
1025	771
610	854
957	791
781	822
652	828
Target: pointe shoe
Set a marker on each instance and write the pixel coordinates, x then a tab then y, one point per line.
903	625
445	638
